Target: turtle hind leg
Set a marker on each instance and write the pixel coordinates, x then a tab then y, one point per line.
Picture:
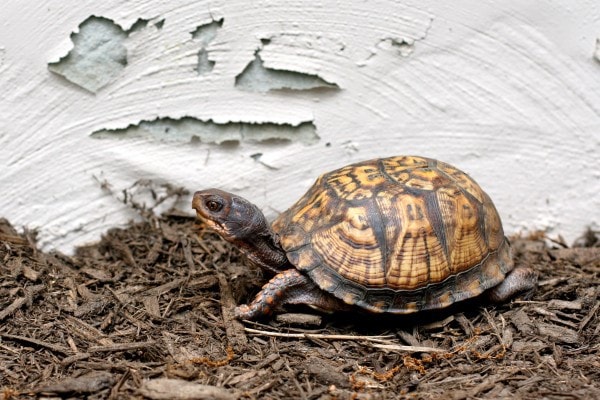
287	287
519	281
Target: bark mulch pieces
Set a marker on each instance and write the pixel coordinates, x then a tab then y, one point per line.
146	313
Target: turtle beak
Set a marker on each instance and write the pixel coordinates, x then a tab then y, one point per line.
203	214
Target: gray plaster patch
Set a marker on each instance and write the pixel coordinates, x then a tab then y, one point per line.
192	129
98	55
205	65
205	34
257	78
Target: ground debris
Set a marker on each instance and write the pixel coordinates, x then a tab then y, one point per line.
148	311
178	389
89	383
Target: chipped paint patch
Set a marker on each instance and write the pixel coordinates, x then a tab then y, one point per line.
188	129
205	34
267	71
98	55
257	78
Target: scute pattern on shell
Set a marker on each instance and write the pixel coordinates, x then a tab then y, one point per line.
398	234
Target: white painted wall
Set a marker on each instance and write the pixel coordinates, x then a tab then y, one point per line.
507	91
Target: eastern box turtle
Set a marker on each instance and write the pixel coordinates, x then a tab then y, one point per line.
395	235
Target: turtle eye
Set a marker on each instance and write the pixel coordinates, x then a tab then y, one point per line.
213	206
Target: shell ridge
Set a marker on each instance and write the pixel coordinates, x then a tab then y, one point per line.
384	172
437	221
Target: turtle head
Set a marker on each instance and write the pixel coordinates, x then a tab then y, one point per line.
231	216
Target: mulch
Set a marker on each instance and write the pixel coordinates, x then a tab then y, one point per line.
147	313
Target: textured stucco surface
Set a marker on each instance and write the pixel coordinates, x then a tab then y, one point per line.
507	91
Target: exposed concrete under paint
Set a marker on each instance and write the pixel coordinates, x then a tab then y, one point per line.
507	91
191	129
98	55
205	34
256	77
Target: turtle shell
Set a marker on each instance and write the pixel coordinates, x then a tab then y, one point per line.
398	235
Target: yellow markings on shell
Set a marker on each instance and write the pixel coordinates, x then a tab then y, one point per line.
311	212
293	237
444	299
349	298
378	306
350	248
396	165
307	259
469	246
493	226
425	179
326	281
474	286
410	307
356	183
417	257
463	180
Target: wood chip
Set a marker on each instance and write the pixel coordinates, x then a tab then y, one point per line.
178	389
299	319
30	273
522	322
151	305
121	347
14	306
558	333
165	288
234	328
326	373
565	305
51	346
89	383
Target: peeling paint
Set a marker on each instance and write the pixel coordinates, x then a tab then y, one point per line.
256	77
98	55
205	65
188	129
405	46
206	34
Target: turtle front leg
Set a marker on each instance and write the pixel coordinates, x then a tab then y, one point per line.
287	287
521	280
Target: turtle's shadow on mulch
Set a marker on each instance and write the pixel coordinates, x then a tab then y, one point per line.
147	312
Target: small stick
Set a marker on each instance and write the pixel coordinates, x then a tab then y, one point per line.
54	347
233	327
376	339
14	306
412	349
120	347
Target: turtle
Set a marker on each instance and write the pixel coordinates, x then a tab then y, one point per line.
394	235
